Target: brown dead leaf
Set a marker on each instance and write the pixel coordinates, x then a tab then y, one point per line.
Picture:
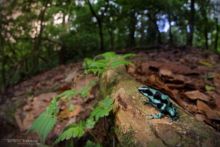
131	68
191	108
203	107
216	98
26	115
66	113
197	95
213	115
200	117
210	113
69	78
165	72
154	80
27	108
216	81
41	101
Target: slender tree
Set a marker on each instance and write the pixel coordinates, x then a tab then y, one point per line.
99	21
132	28
38	38
216	35
191	23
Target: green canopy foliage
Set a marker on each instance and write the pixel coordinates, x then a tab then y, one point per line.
37	35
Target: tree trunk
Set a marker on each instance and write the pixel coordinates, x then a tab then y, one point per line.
217	34
38	38
170	30
132	28
112	40
143	36
206	37
100	26
154	32
191	23
205	22
62	52
101	35
3	75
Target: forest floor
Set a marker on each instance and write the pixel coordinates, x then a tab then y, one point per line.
190	76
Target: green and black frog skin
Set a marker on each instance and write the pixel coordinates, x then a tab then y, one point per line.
160	101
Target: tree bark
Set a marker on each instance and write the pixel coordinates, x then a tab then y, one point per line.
2	42
206	37
38	38
63	51
143	36
217	34
170	30
132	29
153	29
100	26
205	22
191	23
112	38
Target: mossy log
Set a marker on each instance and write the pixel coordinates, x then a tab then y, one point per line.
134	128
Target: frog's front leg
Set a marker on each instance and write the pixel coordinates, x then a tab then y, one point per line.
156	116
146	102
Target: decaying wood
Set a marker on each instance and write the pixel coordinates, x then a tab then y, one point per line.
133	127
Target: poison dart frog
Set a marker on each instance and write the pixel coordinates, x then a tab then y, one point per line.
160	101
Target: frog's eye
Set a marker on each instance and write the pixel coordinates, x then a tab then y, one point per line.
157	96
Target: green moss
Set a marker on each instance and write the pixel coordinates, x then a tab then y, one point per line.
155	143
126	139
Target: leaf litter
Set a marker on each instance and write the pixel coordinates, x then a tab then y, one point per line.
190	77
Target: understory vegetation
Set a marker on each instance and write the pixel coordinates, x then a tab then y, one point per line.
46	121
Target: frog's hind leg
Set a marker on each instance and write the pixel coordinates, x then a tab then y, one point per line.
146	103
172	113
156	116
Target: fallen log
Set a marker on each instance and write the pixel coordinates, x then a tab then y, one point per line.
132	126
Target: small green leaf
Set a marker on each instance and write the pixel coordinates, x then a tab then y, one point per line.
103	108
75	130
90	123
206	63
128	55
67	94
209	88
92	144
84	92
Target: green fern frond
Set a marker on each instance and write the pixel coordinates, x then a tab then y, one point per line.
116	63
90	123
105	61
101	110
45	122
109	55
126	56
75	130
67	94
84	92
